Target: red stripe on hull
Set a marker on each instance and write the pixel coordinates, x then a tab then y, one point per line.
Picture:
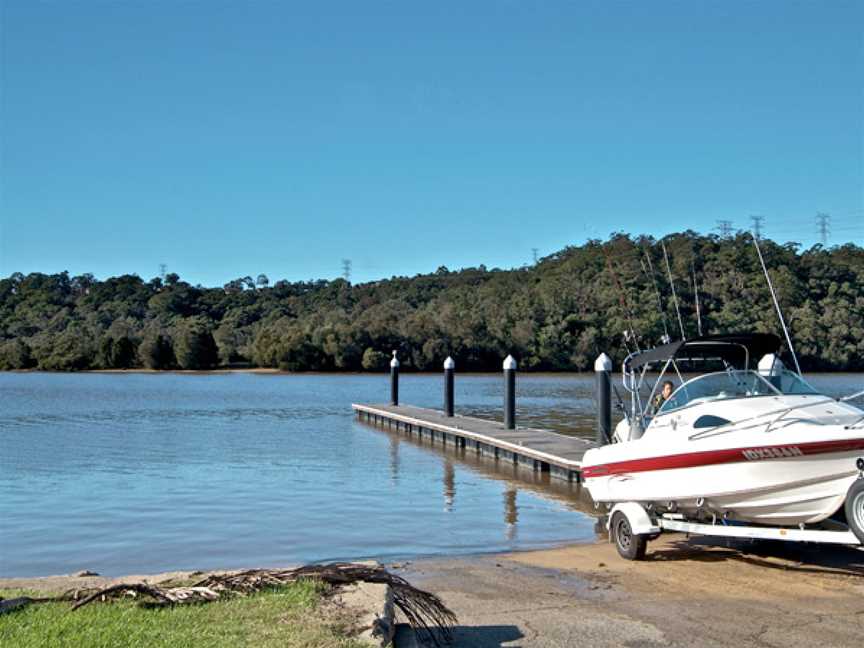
729	455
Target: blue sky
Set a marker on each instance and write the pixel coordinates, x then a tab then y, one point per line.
233	138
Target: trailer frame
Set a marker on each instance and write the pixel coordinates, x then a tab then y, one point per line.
631	526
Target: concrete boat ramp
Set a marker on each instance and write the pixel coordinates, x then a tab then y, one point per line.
543	450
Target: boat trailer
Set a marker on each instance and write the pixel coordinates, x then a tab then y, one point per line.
631	526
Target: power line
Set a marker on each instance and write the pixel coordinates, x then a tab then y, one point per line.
757	220
346	270
808	223
725	228
823	226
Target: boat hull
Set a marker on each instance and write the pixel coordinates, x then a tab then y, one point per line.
790	490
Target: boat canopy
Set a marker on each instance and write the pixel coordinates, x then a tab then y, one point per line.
735	349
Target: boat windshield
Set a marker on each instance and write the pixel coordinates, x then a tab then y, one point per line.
788	382
724	385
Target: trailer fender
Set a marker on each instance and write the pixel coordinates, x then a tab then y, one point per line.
640	522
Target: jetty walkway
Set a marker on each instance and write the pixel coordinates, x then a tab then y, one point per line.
543	450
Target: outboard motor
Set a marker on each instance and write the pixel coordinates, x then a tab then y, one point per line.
771	368
622	431
625	431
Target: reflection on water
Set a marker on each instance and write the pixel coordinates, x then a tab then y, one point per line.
449	485
130	473
394	459
511	513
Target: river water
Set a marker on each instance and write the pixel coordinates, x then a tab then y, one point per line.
123	473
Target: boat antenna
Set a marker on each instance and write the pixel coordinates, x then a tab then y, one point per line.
777	306
666	337
696	295
674	296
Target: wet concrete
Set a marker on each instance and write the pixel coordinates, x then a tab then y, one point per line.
688	593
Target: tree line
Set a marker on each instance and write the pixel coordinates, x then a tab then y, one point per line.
555	315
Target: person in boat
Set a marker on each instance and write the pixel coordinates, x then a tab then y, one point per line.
665	392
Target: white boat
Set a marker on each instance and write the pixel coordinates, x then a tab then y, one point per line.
742	441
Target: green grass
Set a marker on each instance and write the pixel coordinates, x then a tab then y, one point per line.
286	617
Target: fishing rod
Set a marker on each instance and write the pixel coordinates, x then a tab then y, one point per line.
666	337
622	298
672	284
777	305
696	294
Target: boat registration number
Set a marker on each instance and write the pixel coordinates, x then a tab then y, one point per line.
755	454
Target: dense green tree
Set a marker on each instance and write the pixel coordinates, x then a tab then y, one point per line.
374	360
123	353
296	352
72	349
156	351
194	346
15	354
556	315
235	334
105	354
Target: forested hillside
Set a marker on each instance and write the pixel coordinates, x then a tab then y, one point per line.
556	315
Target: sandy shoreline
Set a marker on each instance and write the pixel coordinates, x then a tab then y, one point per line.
688	593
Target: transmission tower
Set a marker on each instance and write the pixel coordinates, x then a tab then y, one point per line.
163	269
823	225
534	253
346	270
725	228
757	221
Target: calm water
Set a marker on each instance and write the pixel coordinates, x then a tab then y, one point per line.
122	473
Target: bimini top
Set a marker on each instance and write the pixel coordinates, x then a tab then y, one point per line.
736	349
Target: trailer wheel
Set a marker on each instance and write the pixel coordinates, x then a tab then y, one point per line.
855	509
630	546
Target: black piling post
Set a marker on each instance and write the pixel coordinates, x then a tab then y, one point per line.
603	371
510	393
394	380
449	370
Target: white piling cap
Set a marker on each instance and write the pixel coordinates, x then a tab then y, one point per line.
449	364
509	363
603	363
770	365
394	362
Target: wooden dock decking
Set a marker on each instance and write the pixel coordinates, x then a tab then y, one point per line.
546	451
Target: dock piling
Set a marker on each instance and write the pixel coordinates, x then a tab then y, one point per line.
394	380
603	372
510	393
449	369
